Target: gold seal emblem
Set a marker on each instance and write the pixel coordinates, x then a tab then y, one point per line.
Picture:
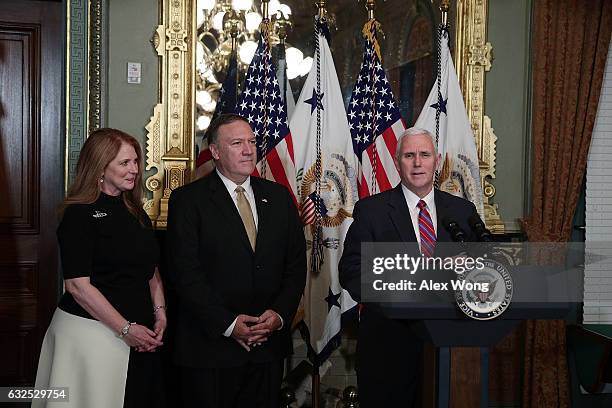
337	191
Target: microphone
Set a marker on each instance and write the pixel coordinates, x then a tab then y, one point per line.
478	227
455	231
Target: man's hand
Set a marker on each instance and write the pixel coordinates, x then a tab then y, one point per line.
269	321
244	330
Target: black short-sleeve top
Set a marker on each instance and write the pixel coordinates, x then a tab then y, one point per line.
105	242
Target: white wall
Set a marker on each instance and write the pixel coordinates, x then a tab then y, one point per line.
598	272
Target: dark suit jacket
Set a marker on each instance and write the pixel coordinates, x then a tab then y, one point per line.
385	217
217	275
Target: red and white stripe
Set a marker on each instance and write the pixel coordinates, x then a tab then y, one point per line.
280	166
378	161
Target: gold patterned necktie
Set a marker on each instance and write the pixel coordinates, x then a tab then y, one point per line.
247	215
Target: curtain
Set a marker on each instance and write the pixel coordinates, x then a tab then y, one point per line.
569	45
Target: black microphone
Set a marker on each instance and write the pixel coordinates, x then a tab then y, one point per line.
453	228
478	227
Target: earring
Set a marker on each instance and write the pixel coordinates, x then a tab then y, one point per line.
102	179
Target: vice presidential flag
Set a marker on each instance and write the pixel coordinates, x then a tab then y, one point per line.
327	189
374	120
261	102
458	172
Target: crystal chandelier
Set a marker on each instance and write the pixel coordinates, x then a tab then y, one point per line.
226	25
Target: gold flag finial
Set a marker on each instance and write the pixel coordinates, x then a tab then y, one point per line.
369	31
370	6
444	7
282	25
322	7
232	21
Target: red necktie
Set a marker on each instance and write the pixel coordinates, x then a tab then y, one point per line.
426	230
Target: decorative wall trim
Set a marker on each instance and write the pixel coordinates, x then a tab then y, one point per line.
85	75
473	60
95	65
170	132
76	83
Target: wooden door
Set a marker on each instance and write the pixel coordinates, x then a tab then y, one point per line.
31	179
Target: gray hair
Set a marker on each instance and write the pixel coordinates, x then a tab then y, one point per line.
414	131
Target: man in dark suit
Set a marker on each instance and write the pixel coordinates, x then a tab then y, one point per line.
389	355
237	259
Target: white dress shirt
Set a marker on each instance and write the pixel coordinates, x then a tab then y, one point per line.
412	200
248	192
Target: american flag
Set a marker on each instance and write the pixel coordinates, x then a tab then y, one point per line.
262	104
308	209
374	120
227	104
229	89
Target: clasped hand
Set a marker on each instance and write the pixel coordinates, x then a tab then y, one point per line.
250	331
145	340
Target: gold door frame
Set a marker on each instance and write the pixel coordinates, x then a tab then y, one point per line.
472	60
170	132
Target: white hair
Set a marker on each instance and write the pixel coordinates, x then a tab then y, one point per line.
414	131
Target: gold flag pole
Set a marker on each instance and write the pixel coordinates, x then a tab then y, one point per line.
234	32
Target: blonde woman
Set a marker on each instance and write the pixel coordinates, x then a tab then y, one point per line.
111	319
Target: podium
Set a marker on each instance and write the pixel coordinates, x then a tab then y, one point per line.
540	283
445	326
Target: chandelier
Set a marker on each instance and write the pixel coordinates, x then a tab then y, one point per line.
227	25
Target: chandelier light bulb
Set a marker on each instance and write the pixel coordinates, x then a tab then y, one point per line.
210	106
285	9
210	77
292	72
294	57
201	17
253	19
305	66
247	51
203	122
218	21
203	98
242	4
273	7
206	4
200	57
